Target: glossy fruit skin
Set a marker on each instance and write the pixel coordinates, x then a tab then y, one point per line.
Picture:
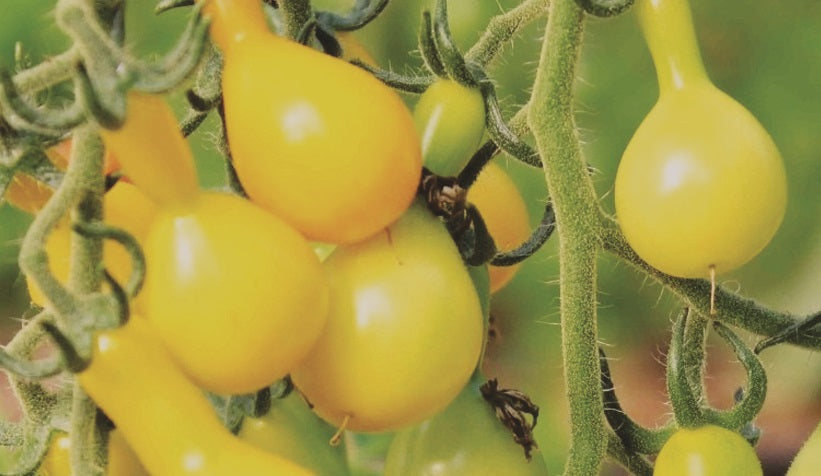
505	214
450	119
808	460
56	461
237	295
291	430
153	153
171	427
706	451
701	184
121	458
463	440
404	330
125	207
315	140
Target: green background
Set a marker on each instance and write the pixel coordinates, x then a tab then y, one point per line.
764	54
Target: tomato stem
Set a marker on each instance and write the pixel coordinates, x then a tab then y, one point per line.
297	13
577	215
502	28
730	308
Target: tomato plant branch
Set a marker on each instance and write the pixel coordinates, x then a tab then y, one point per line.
730	308
632	462
84	278
693	350
502	28
296	13
48	73
577	216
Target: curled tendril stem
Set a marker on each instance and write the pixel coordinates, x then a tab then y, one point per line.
633	462
745	410
98	229
408	84
534	242
363	12
604	8
796	329
634	437
38	119
686	404
427	46
451	58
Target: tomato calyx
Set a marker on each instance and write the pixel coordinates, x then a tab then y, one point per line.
512	408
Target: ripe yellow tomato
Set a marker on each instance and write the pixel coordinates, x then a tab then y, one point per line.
237	295
701	184
404	330
505	214
126	207
315	140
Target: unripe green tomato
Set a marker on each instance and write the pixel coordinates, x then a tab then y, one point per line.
450	119
465	439
808	460
291	430
701	184
708	450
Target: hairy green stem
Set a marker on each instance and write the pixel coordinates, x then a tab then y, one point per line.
48	73
693	352
502	28
577	218
31	395
632	462
730	308
296	13
84	278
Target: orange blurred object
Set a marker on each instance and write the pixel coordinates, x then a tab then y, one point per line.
30	195
505	214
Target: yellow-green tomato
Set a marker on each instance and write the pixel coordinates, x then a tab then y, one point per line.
465	439
237	295
707	451
404	329
808	460
450	119
701	184
291	430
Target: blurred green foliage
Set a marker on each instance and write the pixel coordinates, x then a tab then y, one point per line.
765	54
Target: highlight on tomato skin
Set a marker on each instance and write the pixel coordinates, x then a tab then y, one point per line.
315	140
450	119
404	328
237	295
707	450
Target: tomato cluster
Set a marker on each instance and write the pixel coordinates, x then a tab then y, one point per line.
330	272
381	335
